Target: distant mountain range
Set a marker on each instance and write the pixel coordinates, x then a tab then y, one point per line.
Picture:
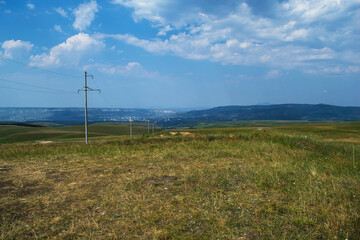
309	112
304	112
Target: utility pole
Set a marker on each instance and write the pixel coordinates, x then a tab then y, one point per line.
130	120
153	125
86	89
148	120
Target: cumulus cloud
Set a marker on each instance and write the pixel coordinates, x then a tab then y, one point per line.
231	51
132	69
177	13
61	11
232	32
84	15
69	52
16	48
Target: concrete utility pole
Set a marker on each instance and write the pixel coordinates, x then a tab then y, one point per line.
148	120
86	89
130	120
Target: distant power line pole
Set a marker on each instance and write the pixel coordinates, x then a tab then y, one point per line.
86	89
130	120
148	120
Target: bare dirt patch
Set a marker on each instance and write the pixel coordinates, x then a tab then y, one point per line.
182	133
185	133
346	140
44	142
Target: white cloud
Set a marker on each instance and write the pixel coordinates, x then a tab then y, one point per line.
332	69
177	13
30	6
84	15
144	9
315	10
164	30
318	54
69	52
336	69
299	33
229	52
132	69
272	74
16	48
58	28
353	69
351	56
61	11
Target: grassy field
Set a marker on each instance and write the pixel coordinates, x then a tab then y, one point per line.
37	132
288	182
238	124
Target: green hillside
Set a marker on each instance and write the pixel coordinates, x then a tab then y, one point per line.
288	112
288	182
23	133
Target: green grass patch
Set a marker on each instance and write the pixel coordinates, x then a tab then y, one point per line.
29	133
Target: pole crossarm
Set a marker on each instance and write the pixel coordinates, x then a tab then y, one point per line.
89	90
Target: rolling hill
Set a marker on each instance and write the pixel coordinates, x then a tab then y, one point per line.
304	112
288	112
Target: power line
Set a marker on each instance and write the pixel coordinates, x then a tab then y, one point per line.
28	90
42	69
34	86
102	96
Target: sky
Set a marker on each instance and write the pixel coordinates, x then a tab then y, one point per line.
179	53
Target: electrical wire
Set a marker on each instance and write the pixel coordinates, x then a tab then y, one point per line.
107	102
42	69
52	90
28	90
34	86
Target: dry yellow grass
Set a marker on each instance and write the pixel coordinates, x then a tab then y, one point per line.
206	185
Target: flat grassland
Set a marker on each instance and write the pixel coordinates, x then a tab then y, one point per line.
38	132
289	182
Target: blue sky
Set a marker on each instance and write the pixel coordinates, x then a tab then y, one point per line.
179	53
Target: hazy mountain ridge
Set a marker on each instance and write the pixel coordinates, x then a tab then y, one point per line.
307	112
310	112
